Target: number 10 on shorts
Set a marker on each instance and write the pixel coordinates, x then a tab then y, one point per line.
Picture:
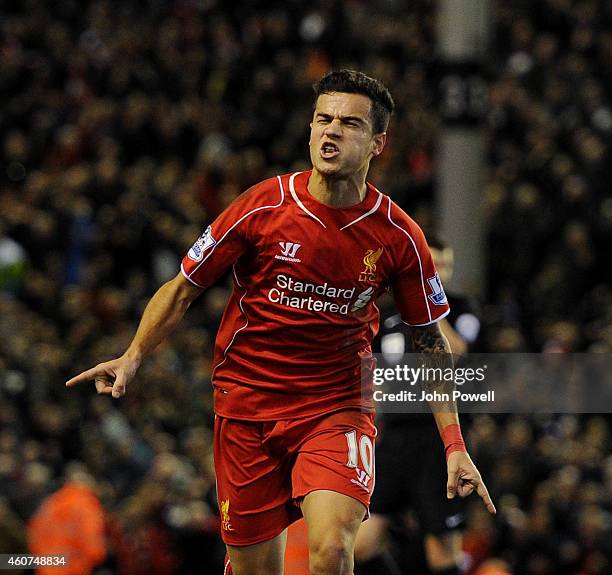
364	451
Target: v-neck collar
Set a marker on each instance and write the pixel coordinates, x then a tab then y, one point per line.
329	216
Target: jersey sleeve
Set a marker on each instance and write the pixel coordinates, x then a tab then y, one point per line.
417	288
225	240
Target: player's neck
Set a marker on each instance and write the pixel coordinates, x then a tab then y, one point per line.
337	193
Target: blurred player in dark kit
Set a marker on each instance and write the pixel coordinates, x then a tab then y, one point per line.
409	446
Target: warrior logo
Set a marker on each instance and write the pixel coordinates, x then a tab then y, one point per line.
288	249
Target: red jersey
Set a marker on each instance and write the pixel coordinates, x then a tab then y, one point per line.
302	313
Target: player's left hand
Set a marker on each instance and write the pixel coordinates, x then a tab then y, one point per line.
464	477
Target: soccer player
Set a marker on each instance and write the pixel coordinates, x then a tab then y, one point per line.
309	253
409	442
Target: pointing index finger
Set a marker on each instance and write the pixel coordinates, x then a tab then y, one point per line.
484	494
84	376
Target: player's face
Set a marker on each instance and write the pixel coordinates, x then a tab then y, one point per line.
341	139
444	261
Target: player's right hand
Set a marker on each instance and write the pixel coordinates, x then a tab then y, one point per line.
110	377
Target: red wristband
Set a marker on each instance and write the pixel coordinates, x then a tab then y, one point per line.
452	439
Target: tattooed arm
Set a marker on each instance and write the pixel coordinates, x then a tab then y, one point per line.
435	351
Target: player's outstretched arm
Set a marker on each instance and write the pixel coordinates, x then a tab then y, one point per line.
161	316
463	476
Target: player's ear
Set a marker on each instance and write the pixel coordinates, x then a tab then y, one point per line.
378	143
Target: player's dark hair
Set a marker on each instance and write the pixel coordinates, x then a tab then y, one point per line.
353	82
436	241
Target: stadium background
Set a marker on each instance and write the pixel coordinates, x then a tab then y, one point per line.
125	127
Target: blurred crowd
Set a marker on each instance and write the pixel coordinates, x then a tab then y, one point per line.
126	126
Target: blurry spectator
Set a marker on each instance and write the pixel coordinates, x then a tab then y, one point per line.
70	523
13	263
493	567
12	530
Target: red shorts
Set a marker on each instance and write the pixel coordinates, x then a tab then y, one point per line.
264	469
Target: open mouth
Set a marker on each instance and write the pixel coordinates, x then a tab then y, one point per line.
329	150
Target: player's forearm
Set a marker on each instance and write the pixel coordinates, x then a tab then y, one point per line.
457	344
435	350
161	317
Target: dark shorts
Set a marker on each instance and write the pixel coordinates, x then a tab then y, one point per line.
411	475
264	469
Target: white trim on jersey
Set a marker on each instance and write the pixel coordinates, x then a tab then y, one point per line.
240	328
189	279
431	320
282	199
299	202
227	566
370	325
376	206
